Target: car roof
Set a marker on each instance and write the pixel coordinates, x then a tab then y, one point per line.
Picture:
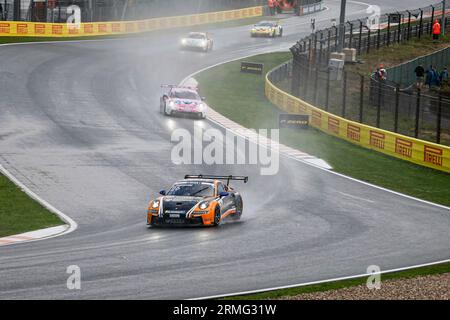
197	33
183	89
266	21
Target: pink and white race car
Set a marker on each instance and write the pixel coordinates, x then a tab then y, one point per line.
183	100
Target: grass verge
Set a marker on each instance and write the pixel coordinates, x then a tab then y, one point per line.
241	97
431	270
19	213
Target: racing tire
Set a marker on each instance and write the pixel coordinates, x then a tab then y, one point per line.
274	34
165	112
239	209
216	217
281	33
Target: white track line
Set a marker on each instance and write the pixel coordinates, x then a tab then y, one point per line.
319	282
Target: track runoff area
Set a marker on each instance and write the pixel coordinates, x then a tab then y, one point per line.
117	126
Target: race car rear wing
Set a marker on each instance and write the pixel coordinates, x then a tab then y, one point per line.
227	178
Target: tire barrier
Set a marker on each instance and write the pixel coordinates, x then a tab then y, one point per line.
36	29
417	151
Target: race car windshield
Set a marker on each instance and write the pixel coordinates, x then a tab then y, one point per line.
192	190
189	95
197	36
265	24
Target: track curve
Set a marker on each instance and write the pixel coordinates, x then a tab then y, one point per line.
79	125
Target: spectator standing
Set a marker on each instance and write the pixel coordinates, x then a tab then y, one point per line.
432	77
436	30
420	74
443	75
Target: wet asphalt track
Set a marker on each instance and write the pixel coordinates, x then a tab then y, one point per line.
79	125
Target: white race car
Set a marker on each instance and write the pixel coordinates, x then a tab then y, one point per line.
198	40
183	100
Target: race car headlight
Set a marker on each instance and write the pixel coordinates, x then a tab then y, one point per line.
202	106
171	104
183	41
155	204
204	205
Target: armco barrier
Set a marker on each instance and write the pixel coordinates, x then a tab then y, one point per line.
35	29
413	150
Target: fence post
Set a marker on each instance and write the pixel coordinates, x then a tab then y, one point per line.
316	85
296	72
380	92
327	100
397	104
409	26
360	36
416	130
368	40
421	24
329	43
378	37
439	119
361	100
432	19
351	35
400	16
344	94
389	31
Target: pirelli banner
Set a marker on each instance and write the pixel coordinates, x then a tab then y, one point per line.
36	29
417	151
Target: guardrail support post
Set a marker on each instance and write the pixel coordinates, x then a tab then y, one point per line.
397	104
416	129
439	119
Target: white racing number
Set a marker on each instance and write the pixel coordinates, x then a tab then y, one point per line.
74	17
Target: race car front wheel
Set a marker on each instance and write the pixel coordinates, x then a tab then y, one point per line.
217	217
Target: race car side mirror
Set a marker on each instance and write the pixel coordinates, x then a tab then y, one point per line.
162	192
224	194
203	98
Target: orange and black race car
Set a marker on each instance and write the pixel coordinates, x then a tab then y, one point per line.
203	200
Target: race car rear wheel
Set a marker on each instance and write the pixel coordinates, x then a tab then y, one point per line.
165	111
216	217
239	208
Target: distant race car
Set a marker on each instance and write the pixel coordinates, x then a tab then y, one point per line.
201	200
183	100
267	29
198	40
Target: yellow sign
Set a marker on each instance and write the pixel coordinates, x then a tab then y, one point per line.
421	152
36	29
